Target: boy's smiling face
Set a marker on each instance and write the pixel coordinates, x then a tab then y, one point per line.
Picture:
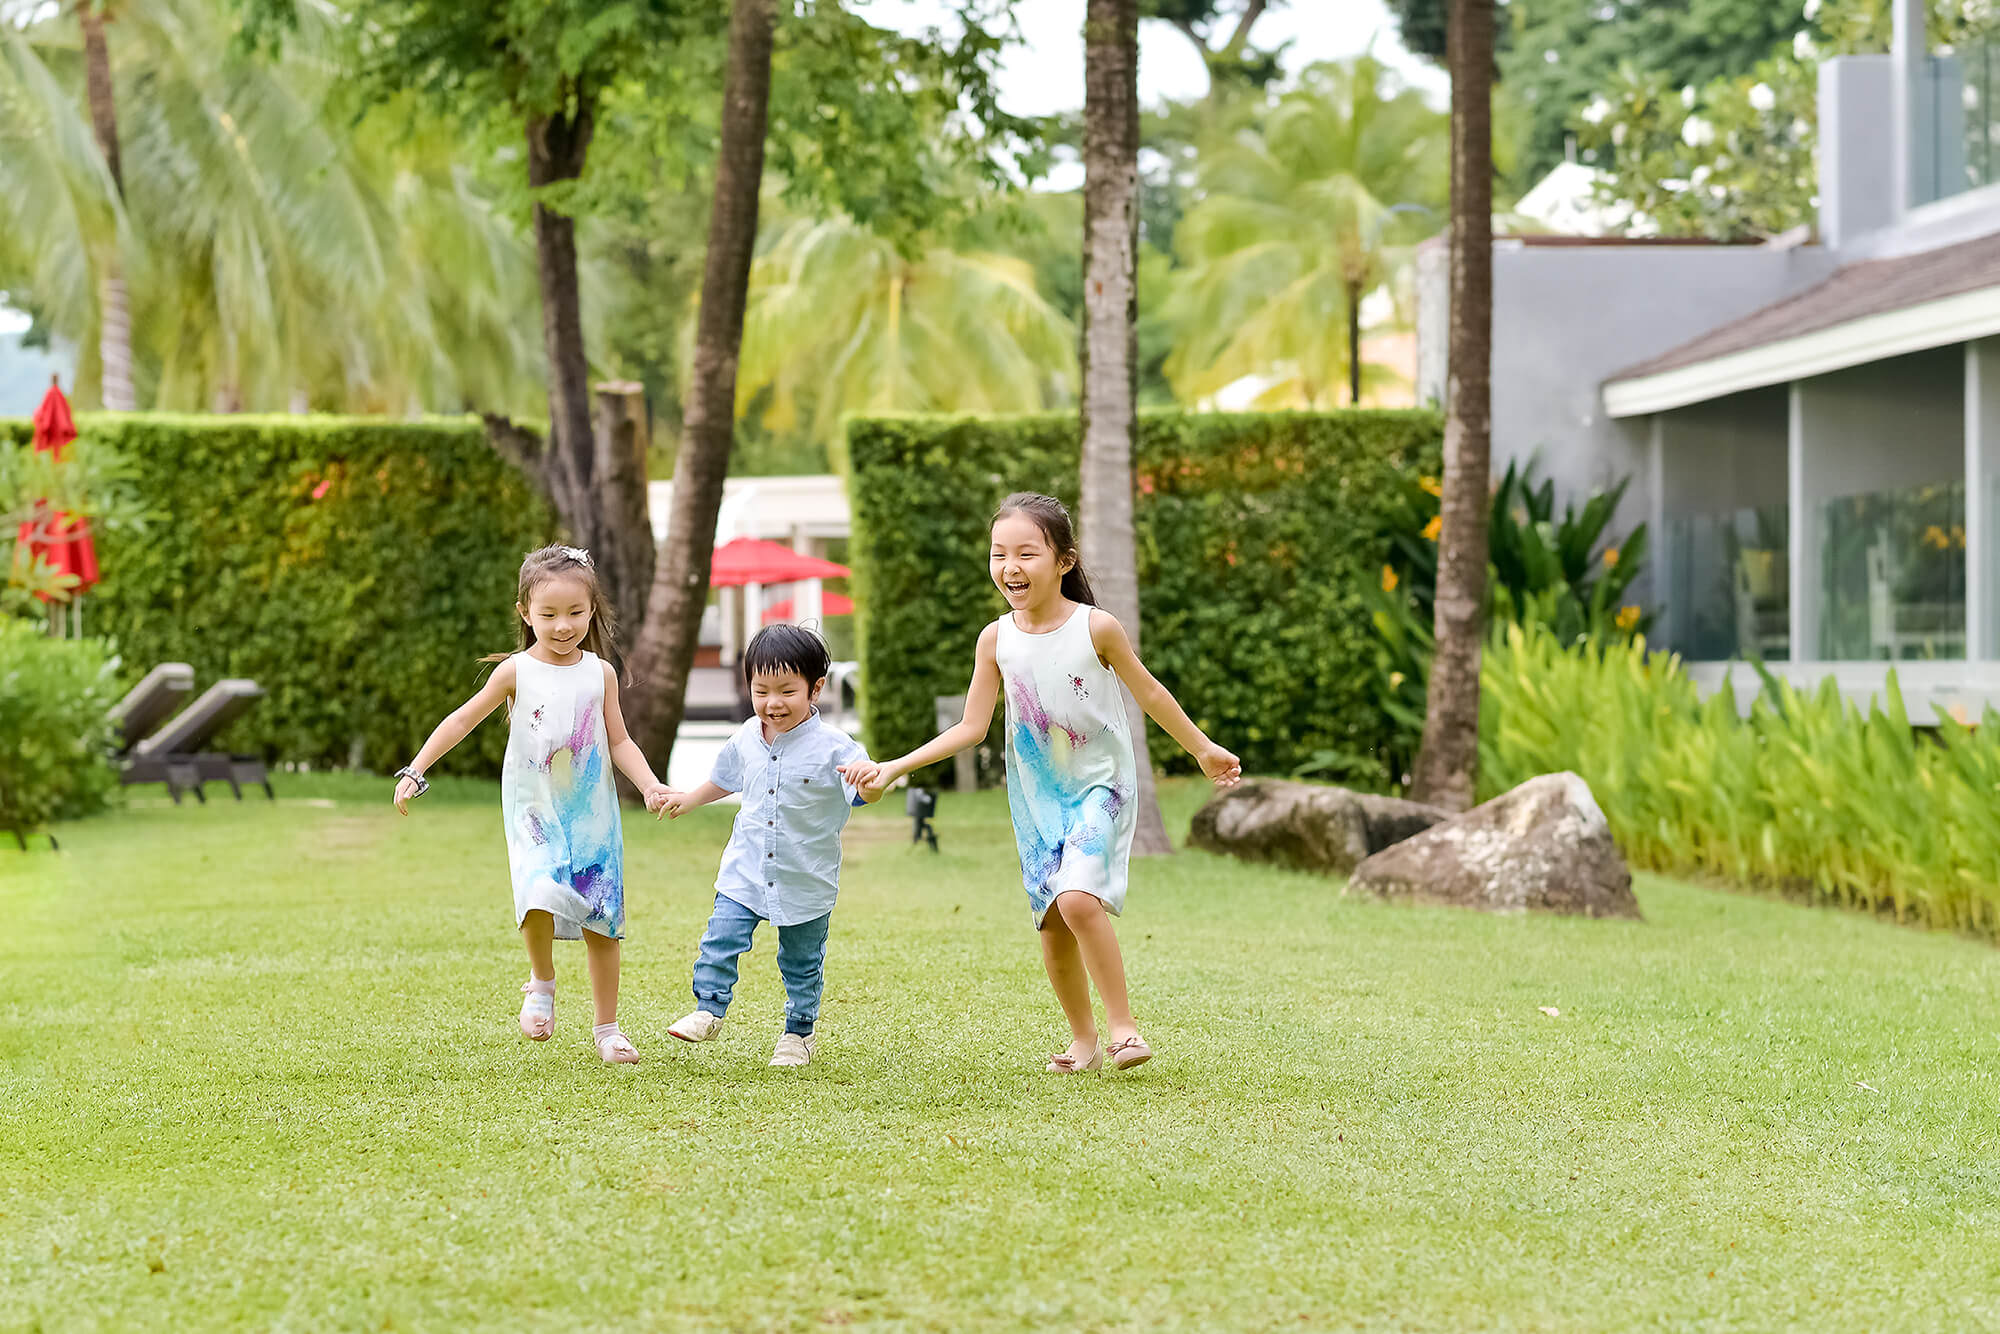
783	699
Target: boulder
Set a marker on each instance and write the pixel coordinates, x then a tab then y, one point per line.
1305	825
1544	847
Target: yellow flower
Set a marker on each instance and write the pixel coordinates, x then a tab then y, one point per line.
1610	556
1934	537
1957	535
1389	580
1432	485
1395	680
1434	527
1628	617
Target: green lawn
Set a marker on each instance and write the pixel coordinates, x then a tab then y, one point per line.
259	1069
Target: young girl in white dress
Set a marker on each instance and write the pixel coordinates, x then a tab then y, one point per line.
565	842
1071	778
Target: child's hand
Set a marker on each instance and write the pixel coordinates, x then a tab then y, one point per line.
1220	767
656	798
676	803
860	774
406	788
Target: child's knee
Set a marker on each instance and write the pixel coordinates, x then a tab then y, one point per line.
1079	909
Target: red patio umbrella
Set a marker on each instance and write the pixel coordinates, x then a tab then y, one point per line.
831	604
61	539
752	560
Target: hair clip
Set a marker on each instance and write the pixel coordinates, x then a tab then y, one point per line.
577	554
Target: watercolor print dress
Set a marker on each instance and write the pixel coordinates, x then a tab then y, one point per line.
564	841
1070	772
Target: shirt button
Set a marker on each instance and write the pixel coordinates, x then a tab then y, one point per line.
772	823
770	855
771	789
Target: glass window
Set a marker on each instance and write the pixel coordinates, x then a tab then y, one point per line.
1892	567
1728	592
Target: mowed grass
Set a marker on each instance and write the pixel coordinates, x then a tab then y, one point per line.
259	1069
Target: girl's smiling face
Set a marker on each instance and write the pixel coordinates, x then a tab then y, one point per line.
558	616
1026	567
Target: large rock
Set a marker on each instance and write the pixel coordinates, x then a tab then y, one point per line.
1544	847
1304	825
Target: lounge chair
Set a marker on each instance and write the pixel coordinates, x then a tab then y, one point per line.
150	703
175	754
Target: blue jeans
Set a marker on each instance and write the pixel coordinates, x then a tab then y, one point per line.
801	954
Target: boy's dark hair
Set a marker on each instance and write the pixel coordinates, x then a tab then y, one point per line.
787	648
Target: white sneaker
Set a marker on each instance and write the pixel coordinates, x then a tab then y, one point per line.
795	1050
697	1027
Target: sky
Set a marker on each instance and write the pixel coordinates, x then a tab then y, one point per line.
1045	73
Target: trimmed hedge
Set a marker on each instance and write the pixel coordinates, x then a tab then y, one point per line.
1256	534
355	568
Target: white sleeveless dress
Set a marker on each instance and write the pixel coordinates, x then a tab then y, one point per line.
564	840
1071	777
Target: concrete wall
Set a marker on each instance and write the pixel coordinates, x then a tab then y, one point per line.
1567	317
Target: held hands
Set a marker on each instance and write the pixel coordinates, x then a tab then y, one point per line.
659	797
868	778
1220	767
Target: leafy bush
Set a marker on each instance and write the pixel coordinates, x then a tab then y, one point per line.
54	734
1808	794
1560	572
355	568
1257	536
91	481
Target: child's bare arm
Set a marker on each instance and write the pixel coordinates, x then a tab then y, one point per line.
456	726
625	752
678	804
1114	647
980	697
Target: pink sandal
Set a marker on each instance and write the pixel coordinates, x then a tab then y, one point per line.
1132	1051
613	1047
538	1011
1062	1063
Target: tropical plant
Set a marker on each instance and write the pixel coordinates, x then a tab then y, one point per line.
1563	571
1309	201
92	482
841	321
1808	794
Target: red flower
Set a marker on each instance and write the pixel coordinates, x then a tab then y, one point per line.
319	492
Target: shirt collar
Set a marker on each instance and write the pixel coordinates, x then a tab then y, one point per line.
785	739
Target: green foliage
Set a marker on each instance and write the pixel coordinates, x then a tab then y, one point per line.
91	481
356	569
1807	795
1558	572
1308	204
54	734
1256	538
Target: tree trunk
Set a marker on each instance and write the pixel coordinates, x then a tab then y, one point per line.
114	323
1353	345
1448	764
657	697
1110	346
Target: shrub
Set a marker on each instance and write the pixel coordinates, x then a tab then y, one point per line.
355	568
1808	794
1256	535
54	734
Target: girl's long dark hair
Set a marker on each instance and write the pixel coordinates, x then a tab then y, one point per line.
560	562
1053	519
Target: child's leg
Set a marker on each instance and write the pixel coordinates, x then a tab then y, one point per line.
601	952
1084	915
731	927
802	963
1071	983
538	933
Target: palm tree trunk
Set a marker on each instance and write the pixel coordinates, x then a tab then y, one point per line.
1447	766
114	333
1353	345
1110	345
657	697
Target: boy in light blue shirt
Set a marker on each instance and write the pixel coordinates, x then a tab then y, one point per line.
782	866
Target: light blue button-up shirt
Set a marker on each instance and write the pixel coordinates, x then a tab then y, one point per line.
783	858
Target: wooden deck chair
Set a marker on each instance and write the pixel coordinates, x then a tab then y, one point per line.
154	700
177	754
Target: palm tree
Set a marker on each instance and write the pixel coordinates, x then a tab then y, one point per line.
1307	207
1447	767
841	321
1111	346
665	650
115	342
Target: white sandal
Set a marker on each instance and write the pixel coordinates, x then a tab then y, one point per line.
613	1047
538	1011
